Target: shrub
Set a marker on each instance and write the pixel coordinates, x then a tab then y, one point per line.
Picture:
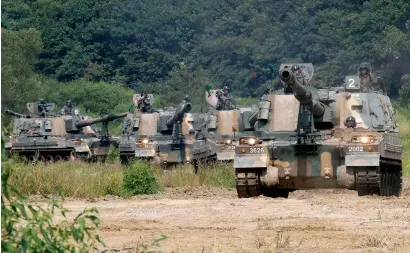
139	179
30	228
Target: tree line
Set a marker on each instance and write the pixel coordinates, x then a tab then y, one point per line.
98	52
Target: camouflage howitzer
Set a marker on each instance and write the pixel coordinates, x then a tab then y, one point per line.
183	139
371	147
92	146
174	149
139	133
39	138
289	140
316	149
175	122
224	127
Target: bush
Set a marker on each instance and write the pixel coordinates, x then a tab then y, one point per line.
139	179
30	228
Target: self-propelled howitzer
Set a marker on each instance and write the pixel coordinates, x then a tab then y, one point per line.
292	146
179	114
98	146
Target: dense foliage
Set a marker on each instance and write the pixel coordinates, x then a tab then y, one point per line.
139	178
178	46
32	228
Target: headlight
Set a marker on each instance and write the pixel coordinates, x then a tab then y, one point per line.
364	139
249	141
145	141
252	141
228	141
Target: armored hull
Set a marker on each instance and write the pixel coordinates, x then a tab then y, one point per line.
225	127
315	148
166	138
42	139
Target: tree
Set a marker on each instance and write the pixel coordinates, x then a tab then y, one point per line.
19	53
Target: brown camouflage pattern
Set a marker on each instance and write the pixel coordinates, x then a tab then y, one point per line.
285	113
226	120
148	124
338	153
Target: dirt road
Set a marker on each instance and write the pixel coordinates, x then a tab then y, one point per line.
215	220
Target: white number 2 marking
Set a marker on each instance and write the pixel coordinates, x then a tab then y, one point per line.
351	83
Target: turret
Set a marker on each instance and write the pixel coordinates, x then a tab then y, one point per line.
179	114
302	93
313	113
15	114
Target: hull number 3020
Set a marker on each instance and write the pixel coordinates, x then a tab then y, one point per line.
355	149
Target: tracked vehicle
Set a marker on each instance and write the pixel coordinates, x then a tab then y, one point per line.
52	137
165	137
301	141
139	133
225	127
371	147
185	142
39	136
89	144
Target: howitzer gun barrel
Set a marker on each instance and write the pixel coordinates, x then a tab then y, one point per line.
302	93
289	79
179	114
105	118
253	118
16	114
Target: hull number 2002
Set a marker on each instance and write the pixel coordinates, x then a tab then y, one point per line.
355	149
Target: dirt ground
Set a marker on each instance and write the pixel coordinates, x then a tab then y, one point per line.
215	220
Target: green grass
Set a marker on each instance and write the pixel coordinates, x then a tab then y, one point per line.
403	116
85	180
218	175
70	179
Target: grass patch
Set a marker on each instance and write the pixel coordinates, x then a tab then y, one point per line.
91	180
375	241
403	117
69	179
217	175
